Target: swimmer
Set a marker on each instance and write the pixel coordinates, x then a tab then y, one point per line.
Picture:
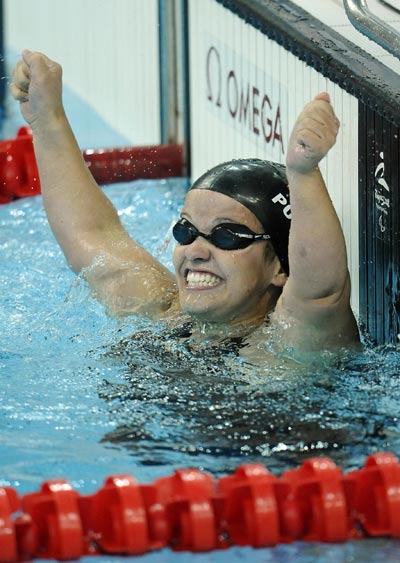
245	257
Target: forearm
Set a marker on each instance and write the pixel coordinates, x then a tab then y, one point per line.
317	251
74	203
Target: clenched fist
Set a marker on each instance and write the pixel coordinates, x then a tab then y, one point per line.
37	85
314	133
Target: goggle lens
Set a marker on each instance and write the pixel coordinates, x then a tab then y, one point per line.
184	232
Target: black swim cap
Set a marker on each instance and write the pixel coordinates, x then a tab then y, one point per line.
262	187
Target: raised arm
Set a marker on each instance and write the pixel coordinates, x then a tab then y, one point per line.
316	297
123	275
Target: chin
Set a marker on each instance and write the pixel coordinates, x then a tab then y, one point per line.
201	313
207	313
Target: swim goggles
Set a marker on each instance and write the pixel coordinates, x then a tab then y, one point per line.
226	236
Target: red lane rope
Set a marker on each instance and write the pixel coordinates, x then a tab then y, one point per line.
19	175
190	510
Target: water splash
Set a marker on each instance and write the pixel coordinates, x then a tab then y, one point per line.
146	397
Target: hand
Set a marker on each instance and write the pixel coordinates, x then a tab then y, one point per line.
314	133
37	86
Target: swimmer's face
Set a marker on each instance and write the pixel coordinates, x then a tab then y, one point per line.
215	285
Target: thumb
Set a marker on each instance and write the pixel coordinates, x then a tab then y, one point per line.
323	96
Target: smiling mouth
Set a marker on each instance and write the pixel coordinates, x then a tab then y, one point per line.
202	280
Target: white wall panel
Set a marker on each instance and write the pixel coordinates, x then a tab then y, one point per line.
228	57
108	50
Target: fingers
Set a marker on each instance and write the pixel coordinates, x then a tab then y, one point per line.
37	62
33	66
21	80
315	138
17	93
319	116
313	144
21	76
322	126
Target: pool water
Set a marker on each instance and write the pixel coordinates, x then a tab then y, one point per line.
83	395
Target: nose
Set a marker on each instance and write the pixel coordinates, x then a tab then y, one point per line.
198	250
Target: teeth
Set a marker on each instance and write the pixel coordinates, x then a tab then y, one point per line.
196	279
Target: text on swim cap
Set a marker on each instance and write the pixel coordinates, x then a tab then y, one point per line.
280	198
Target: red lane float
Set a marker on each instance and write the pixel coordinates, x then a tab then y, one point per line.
19	175
374	496
250	513
314	507
8	542
192	511
53	528
109	166
116	517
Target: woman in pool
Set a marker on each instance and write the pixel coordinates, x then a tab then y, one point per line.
232	258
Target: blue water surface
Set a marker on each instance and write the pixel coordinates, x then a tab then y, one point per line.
73	405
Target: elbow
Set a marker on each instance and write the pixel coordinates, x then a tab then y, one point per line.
320	290
336	294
